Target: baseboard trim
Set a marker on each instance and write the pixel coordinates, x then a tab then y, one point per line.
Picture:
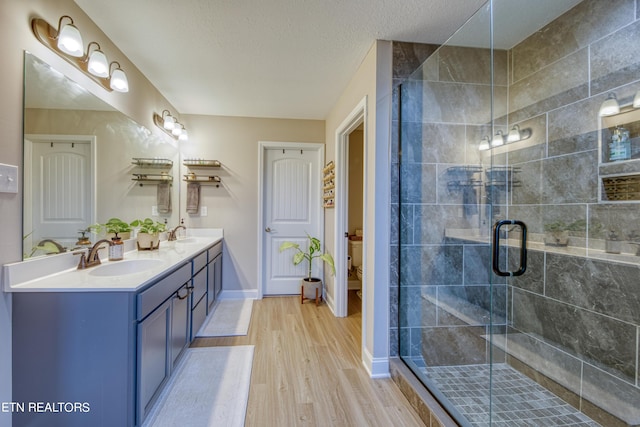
376	367
242	294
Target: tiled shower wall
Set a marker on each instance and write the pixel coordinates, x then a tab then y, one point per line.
577	316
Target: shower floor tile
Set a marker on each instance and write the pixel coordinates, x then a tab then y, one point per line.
517	400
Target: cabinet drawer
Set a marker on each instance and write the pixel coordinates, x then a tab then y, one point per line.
154	296
199	261
214	251
199	287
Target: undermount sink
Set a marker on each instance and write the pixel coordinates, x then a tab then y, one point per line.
119	268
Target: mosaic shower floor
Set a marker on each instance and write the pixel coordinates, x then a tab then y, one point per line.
517	400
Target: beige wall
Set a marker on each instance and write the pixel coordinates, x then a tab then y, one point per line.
373	81
234	206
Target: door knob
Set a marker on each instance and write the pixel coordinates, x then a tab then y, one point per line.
268	230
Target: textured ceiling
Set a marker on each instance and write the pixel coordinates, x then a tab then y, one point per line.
264	58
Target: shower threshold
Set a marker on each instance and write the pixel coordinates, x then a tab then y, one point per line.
516	399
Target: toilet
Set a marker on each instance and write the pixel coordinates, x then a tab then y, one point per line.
355	252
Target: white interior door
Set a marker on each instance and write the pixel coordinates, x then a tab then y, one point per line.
62	190
291	208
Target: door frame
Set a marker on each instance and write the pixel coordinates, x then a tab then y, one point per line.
355	118
263	146
27	193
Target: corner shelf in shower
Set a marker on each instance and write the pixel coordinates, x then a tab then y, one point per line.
328	189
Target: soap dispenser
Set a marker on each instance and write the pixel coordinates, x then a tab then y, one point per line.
116	249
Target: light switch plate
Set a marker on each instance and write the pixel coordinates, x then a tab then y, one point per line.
8	178
204	211
154	211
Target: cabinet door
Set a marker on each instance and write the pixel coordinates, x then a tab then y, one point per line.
153	358
211	295
217	282
179	323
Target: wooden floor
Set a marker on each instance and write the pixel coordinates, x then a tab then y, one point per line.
307	369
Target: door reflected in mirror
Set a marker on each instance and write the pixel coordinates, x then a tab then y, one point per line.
78	163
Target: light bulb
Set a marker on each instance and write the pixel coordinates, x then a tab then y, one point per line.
98	64
119	80
610	106
70	40
484	144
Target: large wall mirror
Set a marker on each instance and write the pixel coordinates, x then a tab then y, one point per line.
79	164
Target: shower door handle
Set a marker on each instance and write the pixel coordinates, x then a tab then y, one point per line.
496	248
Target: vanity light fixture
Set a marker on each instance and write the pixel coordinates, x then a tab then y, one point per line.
97	63
610	106
118	80
636	100
170	125
66	41
168	121
484	144
69	39
498	139
515	134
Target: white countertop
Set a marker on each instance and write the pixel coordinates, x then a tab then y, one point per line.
59	273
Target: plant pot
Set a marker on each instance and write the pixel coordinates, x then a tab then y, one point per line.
123	235
148	242
556	238
311	289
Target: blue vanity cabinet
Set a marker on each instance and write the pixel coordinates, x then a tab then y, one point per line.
214	275
199	295
162	334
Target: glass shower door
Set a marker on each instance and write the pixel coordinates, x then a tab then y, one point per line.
503	143
450	302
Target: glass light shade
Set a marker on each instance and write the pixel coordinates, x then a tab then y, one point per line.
498	139
98	64
119	81
70	41
184	136
514	134
610	106
484	144
177	130
169	122
636	100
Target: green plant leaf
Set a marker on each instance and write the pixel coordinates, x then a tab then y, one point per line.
288	245
297	258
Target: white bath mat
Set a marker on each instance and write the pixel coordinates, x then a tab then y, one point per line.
230	317
210	388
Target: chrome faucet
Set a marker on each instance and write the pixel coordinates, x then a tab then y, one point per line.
91	258
172	234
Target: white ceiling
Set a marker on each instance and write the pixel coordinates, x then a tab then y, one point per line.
264	58
288	58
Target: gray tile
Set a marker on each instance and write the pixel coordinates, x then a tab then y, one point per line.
574	128
559	183
472	65
613	395
418	183
407	57
439	265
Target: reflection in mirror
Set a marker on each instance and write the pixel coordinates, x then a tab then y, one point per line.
78	165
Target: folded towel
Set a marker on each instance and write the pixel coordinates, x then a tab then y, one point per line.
193	197
164	198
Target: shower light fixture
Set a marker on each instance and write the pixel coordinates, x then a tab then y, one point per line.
67	42
170	125
498	139
610	106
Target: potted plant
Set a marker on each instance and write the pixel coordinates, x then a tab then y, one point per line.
148	237
310	284
114	227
